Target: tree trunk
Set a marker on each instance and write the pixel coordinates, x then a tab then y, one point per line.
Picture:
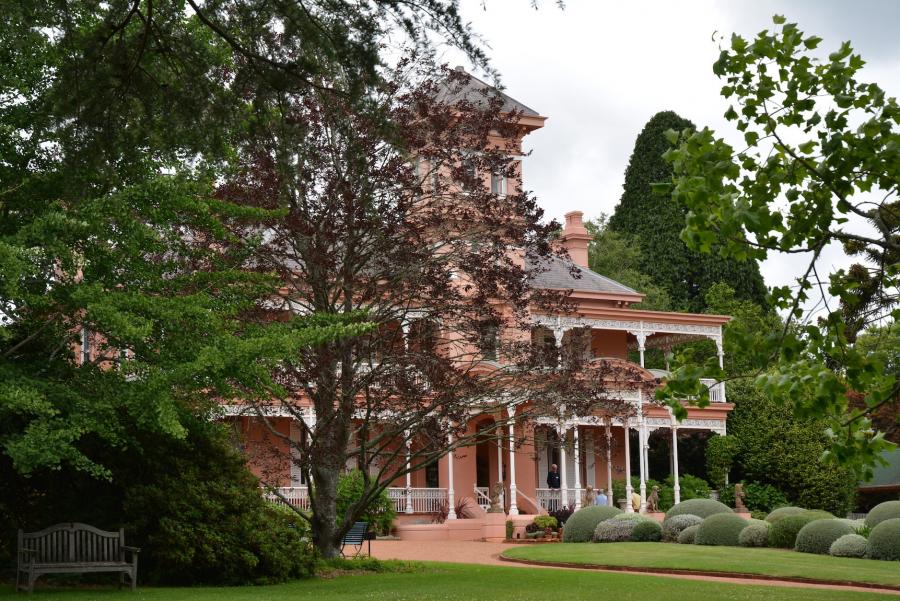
325	529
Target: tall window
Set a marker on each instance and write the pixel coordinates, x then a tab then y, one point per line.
545	346
431	474
85	345
435	178
498	184
488	341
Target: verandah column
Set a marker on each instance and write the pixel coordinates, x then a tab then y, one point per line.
721	352
628	489
676	488
609	490
643	468
577	469
409	507
563	482
513	508
451	497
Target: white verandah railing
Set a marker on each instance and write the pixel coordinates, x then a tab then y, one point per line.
715	390
551	498
483	497
423	500
296	496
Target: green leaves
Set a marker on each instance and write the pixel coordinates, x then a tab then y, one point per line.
797	200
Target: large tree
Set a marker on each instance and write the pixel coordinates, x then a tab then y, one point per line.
405	224
654	223
621	257
817	167
115	118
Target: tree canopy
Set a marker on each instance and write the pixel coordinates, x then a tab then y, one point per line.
621	258
655	223
817	166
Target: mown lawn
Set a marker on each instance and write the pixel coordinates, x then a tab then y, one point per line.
446	582
771	562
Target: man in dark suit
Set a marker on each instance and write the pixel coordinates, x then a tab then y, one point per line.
553	477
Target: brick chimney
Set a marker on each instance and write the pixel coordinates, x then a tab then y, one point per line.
575	238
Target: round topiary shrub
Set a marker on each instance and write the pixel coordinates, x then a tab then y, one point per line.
581	525
783	512
687	536
646	531
755	534
631	517
614	531
888	510
673	526
783	534
884	541
721	529
699	507
820	514
817	536
849	545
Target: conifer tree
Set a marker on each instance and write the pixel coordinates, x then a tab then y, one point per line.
657	221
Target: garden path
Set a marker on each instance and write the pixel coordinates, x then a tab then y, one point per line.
485	553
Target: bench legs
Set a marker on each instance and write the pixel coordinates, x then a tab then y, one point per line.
27	583
132	578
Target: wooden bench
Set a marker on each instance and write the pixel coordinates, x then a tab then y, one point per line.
355	537
73	548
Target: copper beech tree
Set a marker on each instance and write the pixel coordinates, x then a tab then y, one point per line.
386	209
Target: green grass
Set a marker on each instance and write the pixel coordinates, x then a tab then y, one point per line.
454	582
771	562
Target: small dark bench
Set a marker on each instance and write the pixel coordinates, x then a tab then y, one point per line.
73	548
355	537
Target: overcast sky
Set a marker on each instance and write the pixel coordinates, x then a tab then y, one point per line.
599	70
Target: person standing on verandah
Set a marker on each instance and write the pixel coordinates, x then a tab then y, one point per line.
553	477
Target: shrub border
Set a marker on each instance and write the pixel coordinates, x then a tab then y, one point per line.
683	572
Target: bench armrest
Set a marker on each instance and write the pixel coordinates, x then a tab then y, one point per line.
26	556
131	549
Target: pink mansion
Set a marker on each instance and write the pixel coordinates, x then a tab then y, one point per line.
598	450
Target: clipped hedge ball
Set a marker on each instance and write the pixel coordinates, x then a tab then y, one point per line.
783	512
699	507
673	526
686	537
849	545
783	534
721	529
631	517
818	536
884	541
614	531
755	534
646	531
883	511
581	525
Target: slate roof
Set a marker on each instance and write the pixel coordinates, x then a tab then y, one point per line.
557	273
477	90
886	475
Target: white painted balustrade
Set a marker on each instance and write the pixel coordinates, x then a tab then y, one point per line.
551	498
423	500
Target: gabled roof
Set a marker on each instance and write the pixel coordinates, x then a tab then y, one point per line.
556	273
476	91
